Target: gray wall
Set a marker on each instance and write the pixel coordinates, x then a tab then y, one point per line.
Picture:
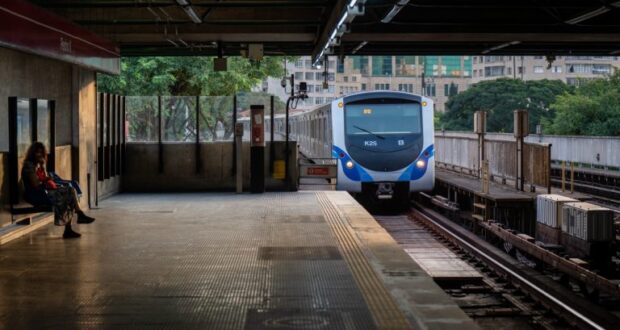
31	76
179	172
74	90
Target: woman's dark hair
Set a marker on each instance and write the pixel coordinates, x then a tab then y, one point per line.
32	150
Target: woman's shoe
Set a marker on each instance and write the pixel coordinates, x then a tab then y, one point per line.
83	218
69	233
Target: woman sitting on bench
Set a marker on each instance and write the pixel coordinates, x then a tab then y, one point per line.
41	190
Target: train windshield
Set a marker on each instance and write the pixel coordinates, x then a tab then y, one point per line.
383	119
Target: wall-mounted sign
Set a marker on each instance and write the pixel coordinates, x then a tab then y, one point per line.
31	29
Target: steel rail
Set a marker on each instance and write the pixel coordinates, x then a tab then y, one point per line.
513	274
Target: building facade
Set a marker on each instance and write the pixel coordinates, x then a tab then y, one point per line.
569	69
437	77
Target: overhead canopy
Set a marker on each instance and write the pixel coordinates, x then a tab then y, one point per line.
303	27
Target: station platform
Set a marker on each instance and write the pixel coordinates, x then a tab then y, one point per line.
298	260
497	192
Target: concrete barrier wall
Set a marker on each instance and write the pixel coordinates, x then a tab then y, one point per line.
580	149
460	149
584	149
179	167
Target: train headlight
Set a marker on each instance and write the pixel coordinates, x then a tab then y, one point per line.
349	164
420	163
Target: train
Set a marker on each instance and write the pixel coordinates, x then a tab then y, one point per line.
383	142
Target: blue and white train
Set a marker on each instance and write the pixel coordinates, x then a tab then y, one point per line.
383	141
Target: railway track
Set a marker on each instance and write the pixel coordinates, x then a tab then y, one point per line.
525	292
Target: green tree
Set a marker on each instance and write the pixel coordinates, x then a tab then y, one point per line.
175	77
500	98
594	109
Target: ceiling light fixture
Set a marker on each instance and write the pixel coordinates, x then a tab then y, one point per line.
508	44
355	8
360	46
593	13
189	10
394	11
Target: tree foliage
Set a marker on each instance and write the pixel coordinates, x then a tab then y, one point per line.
594	109
179	80
500	98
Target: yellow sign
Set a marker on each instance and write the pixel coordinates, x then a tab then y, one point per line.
279	169
368	111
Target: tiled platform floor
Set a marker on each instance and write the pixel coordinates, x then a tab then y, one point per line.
307	260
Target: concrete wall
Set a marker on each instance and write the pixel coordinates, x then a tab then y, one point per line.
74	90
31	76
179	172
581	149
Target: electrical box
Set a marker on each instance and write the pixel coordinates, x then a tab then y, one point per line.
255	52
258	125
521	123
480	122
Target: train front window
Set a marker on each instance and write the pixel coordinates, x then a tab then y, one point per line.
383	119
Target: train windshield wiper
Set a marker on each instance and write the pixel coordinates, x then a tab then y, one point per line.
369	132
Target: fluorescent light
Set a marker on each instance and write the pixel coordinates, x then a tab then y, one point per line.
508	44
394	11
588	15
172	42
352	3
360	46
187	7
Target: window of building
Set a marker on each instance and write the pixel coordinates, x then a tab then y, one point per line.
319	88
308	64
509	71
556	69
382	86
340	68
354	78
331	76
539	69
363	87
382	66
601	69
360	64
431	90
309	75
345	79
310	88
521	70
450	89
318	75
538	58
299	64
331	88
318	100
494	71
299	76
406	66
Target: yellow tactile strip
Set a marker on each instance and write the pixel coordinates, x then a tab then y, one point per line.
385	311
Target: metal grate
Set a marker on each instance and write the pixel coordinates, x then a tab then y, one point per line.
299	253
293	319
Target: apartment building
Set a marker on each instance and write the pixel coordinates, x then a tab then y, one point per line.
437	77
570	69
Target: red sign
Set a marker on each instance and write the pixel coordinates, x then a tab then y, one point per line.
258	125
318	171
31	29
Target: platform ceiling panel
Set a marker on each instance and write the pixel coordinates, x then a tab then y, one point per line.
298	27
